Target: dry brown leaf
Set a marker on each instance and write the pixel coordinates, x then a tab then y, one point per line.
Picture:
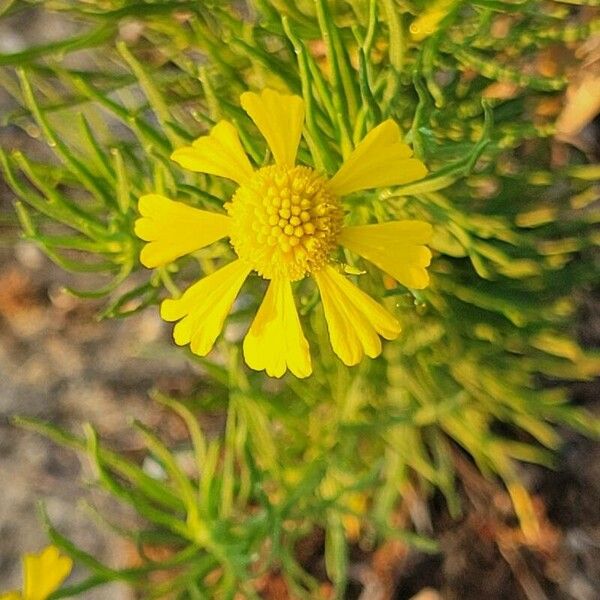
582	105
582	102
501	90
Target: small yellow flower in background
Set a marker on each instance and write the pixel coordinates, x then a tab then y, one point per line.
43	574
284	222
427	22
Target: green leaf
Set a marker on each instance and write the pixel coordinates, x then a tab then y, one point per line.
96	37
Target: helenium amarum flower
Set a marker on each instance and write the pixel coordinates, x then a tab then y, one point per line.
43	574
428	21
284	222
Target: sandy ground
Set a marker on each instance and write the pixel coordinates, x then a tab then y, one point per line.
59	364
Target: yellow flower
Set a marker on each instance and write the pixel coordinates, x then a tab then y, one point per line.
284	222
43	574
427	23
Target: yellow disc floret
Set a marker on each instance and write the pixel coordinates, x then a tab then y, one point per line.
285	221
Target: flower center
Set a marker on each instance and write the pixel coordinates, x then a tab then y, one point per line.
285	221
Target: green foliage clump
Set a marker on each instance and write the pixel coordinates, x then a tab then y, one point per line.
514	247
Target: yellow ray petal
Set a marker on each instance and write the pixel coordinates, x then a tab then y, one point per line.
275	341
44	573
428	21
175	229
381	159
218	153
396	248
280	118
204	307
354	319
11	596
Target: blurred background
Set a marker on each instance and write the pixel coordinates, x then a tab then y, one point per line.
60	363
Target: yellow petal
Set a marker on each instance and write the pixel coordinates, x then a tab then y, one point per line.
218	153
11	596
427	23
204	307
280	118
275	341
380	160
44	573
396	248
175	229
354	319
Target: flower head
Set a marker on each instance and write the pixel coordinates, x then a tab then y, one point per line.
43	574
428	21
284	222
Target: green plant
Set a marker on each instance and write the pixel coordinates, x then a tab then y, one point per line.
514	247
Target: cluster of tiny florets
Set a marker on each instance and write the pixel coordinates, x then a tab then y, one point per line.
285	221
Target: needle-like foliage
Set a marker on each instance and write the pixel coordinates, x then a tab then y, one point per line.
486	350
